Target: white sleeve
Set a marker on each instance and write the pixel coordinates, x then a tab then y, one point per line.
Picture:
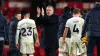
34	25
35	32
67	24
17	33
83	21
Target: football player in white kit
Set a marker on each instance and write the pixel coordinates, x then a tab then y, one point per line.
75	25
26	29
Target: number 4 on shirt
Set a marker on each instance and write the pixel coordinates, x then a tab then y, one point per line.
75	29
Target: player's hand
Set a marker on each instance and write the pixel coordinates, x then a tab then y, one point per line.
17	45
42	13
63	41
84	40
37	44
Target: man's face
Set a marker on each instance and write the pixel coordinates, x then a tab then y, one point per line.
49	11
18	16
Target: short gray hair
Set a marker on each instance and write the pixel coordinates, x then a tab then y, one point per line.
50	6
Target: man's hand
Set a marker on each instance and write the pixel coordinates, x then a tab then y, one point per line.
37	44
63	41
38	12
17	45
42	13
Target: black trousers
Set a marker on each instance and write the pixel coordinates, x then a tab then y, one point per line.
50	52
1	47
92	41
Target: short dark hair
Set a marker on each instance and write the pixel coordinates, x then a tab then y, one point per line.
17	13
76	11
67	9
26	12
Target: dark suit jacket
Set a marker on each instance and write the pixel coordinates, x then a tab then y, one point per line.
63	19
3	27
50	30
92	22
12	33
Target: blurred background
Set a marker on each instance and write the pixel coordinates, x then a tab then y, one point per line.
9	7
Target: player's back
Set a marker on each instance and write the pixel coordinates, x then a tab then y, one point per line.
26	30
75	25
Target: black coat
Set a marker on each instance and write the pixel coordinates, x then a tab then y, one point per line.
12	33
50	29
38	21
3	27
63	19
92	22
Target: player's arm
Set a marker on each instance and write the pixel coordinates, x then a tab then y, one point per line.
17	35
35	32
84	37
65	32
36	35
37	44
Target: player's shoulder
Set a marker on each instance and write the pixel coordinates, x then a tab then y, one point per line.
81	19
32	21
21	21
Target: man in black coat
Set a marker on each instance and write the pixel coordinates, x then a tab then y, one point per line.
3	31
49	40
62	20
92	26
12	33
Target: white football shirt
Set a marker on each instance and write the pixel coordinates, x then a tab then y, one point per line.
25	29
75	25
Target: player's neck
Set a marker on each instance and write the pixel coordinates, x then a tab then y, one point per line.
75	15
